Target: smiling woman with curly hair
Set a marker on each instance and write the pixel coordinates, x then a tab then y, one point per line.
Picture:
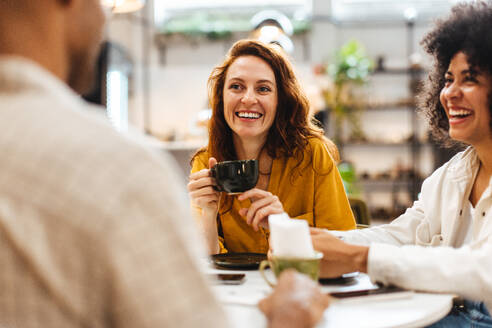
468	30
443	243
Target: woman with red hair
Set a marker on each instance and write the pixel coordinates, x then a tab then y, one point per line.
259	111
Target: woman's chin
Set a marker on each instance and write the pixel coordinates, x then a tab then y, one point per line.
251	135
463	137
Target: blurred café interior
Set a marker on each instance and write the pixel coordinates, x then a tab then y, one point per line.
359	61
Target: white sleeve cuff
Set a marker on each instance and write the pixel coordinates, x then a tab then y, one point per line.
382	263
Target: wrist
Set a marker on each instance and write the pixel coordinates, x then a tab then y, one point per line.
288	321
210	213
360	256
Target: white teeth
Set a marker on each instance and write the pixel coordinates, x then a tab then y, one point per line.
248	115
459	112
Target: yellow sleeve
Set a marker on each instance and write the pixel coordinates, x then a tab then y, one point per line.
331	206
200	162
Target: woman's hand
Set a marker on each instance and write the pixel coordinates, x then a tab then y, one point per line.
263	203
339	257
201	189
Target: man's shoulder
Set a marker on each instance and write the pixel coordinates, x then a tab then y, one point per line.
88	154
73	123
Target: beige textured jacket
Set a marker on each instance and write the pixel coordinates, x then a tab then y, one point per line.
94	229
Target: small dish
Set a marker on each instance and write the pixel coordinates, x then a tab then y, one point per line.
238	260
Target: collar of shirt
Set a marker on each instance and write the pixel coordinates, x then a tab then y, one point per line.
19	73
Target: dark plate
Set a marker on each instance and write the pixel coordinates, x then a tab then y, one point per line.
238	260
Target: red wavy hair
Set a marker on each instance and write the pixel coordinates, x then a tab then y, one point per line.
292	125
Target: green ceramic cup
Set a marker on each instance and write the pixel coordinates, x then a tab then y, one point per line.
307	266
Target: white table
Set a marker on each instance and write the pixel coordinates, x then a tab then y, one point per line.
416	310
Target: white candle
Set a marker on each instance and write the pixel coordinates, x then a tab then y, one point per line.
290	237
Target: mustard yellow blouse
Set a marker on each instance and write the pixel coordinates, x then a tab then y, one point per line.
311	191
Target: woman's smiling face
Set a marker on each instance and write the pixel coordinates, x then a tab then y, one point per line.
465	100
250	97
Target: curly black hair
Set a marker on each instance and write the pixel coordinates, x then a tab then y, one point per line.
469	30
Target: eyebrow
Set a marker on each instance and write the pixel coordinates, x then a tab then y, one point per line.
470	71
264	81
257	82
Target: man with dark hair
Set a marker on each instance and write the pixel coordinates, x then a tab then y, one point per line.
94	229
87	220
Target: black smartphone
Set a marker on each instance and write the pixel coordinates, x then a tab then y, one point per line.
229	278
381	292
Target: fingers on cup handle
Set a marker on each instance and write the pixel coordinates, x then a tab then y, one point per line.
211	162
198	175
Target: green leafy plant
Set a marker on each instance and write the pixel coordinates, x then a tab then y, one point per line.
351	67
216	25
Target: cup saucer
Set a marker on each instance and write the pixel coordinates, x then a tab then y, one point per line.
242	261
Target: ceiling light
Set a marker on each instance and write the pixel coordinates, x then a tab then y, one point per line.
410	14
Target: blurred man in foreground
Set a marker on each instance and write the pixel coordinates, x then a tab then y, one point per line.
91	235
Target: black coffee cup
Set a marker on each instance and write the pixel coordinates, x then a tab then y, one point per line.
235	177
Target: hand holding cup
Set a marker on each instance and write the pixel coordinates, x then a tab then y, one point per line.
201	189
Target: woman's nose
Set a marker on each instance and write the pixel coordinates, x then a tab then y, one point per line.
453	91
249	97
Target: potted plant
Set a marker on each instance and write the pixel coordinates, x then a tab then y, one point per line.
351	67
